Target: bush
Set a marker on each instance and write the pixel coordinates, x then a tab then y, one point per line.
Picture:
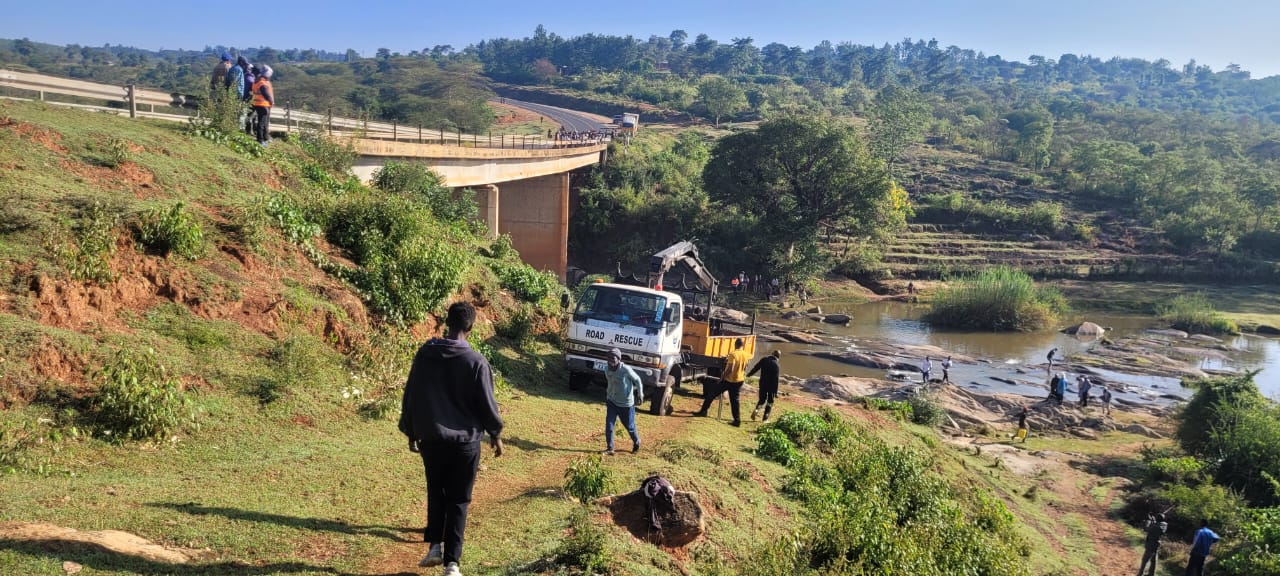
801	428
137	400
586	547
996	299
900	409
526	283
291	219
408	267
587	479
419	181
1177	470
1194	313
1259	550
171	231
517	326
924	410
773	444
330	154
87	254
1224	509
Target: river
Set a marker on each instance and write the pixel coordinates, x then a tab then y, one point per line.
1007	355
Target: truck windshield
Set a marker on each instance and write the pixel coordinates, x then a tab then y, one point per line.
620	305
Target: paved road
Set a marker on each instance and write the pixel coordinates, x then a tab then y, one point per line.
569	119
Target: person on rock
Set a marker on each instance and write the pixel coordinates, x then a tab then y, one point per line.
1021	434
621	396
946	370
1106	401
925	368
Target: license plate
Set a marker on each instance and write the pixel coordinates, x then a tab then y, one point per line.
601	366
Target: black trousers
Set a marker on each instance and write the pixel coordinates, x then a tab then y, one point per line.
263	129
451	473
767	395
1195	566
733	388
1149	555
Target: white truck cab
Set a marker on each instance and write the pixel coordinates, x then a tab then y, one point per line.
645	324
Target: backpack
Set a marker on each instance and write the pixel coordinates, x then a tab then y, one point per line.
249	79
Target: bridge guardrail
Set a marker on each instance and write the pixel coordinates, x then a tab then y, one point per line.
182	107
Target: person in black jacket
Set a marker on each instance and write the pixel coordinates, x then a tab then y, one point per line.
448	406
768	367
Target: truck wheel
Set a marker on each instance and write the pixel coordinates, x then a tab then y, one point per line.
578	380
660	404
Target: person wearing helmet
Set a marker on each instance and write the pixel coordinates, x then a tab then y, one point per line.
263	100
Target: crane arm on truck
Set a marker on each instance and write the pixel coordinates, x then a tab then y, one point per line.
686	253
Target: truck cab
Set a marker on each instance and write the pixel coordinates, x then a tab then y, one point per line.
646	325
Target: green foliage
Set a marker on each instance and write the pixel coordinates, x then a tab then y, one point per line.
138	400
774	444
171	231
419	181
880	509
219	121
15	441
1259	549
291	219
1211	408
1179	470
317	174
898	117
1224	509
721	97
330	154
408	263
1039	217
87	254
996	299
586	547
793	178
900	409
526	283
925	410
1194	313
587	479
517	326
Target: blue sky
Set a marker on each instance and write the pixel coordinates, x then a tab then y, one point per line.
1215	33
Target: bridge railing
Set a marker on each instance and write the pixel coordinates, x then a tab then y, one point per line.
139	102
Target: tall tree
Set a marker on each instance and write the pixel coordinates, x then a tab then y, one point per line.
898	117
796	176
721	97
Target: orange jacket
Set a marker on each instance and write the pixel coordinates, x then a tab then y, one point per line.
262	93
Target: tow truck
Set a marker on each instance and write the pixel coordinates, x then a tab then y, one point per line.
667	329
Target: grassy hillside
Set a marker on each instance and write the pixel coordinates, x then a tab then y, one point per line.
280	335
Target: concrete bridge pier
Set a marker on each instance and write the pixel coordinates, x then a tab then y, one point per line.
487	201
535	213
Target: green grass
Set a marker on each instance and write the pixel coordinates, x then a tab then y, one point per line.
1194	313
995	299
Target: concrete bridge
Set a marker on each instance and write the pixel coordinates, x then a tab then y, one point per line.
520	192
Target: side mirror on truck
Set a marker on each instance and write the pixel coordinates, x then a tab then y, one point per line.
564	300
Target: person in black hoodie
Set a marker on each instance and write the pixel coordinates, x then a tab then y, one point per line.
768	367
448	406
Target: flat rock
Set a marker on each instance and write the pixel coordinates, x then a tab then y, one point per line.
1141	431
1206	338
731	315
1268	329
801	337
792	315
766	337
1168	332
1085	433
837	318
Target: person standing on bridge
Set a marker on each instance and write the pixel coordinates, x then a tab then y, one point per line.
448	407
263	99
218	79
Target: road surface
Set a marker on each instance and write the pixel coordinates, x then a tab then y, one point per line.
569	119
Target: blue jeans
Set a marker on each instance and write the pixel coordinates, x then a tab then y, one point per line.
628	416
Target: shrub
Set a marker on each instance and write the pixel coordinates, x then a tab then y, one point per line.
408	266
773	444
586	547
1259	550
171	231
802	428
419	181
996	299
517	326
87	255
926	411
1224	509
1178	470
330	154
900	409
1194	313
587	479
291	219
526	283
137	399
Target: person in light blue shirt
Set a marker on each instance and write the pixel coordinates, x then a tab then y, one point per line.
621	396
1205	538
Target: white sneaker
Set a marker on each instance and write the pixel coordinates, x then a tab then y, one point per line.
452	570
434	557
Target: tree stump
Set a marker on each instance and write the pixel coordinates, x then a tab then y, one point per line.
681	524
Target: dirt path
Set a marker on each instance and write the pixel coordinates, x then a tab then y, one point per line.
491	489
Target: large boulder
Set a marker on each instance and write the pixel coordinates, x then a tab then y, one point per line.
1089	329
836	318
731	315
802	338
680	524
792	315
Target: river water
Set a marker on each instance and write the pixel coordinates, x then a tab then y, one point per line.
1014	356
